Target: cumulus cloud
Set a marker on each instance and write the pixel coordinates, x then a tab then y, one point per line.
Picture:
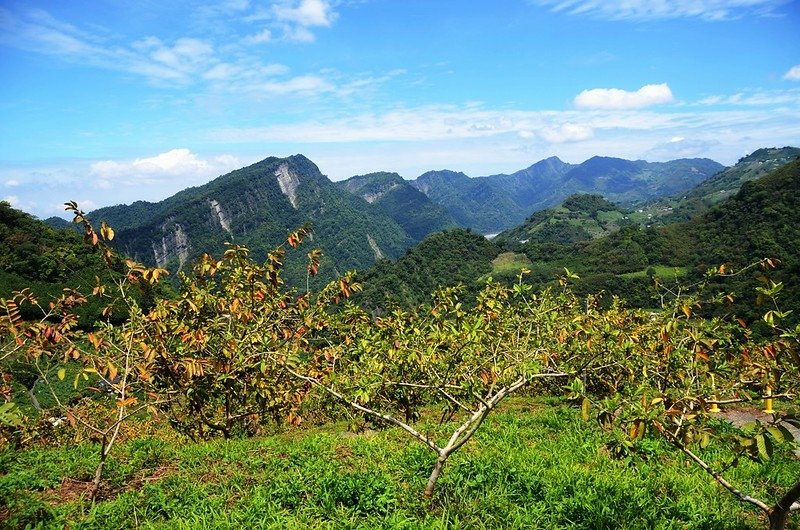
306	13
793	74
177	163
618	99
567	132
652	10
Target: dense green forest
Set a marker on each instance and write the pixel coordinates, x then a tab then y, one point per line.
48	260
409	207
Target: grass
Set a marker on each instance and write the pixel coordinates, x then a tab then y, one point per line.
532	465
510	263
663	272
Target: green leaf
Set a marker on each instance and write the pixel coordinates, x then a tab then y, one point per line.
776	433
764	447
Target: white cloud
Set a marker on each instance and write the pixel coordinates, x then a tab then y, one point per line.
678	147
615	98
177	163
11	183
308	84
640	10
755	98
793	74
567	132
306	13
258	38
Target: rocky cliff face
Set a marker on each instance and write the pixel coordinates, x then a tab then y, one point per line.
258	206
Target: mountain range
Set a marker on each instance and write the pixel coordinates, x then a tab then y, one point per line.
614	254
497	202
378	216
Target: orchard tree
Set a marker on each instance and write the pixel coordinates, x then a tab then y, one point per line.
445	357
676	368
110	356
225	345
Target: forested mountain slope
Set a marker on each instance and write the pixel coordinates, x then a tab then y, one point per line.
728	181
498	202
257	206
579	218
443	259
410	208
591	236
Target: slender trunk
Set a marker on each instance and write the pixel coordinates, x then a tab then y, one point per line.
437	470
780	512
98	473
32	395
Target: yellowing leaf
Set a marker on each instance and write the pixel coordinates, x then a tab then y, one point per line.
61	374
106	231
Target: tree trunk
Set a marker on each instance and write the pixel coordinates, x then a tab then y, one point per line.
777	519
780	512
32	395
437	470
98	473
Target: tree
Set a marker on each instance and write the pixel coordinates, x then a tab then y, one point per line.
675	368
464	363
111	354
225	343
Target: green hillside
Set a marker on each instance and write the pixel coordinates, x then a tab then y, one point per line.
443	259
410	208
579	218
46	260
720	186
258	206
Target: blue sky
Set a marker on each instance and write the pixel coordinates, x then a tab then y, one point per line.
106	102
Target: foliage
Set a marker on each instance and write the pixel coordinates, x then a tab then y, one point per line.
667	372
225	343
110	354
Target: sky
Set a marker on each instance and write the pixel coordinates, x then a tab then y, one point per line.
107	101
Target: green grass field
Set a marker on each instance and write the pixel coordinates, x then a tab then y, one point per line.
534	464
663	272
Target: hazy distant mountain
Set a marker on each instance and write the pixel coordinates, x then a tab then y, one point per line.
535	187
257	206
497	202
409	207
